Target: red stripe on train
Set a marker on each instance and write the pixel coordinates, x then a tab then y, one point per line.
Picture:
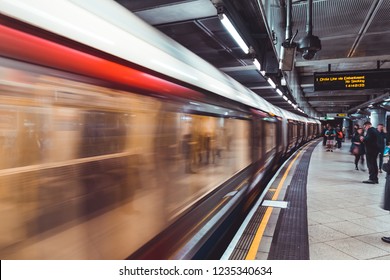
22	46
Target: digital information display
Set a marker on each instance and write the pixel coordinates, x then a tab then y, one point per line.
353	80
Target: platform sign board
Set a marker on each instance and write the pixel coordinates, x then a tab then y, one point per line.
326	118
352	80
336	115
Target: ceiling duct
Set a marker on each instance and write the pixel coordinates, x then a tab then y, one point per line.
288	49
373	101
310	44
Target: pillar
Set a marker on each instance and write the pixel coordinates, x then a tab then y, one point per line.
346	123
378	115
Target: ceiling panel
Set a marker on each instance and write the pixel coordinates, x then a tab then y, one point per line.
332	18
374	44
355	35
140	5
220	58
190	35
247	77
381	20
334	48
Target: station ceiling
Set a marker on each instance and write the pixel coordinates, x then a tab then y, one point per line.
354	34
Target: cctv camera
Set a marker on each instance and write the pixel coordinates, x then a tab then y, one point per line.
308	54
309	46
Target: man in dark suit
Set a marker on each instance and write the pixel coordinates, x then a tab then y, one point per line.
371	145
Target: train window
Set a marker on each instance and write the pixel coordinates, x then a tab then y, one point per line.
103	133
202	152
310	130
291	136
104	160
258	139
270	136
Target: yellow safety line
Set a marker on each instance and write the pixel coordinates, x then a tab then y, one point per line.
260	231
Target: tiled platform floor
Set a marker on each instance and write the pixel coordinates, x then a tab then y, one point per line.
344	214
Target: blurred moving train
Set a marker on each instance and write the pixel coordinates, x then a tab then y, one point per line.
116	142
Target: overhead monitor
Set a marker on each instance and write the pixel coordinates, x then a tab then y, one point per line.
352	80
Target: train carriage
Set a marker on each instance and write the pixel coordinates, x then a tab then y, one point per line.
112	154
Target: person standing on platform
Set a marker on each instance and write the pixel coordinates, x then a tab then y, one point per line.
386	200
324	138
354	131
330	134
355	128
381	144
357	148
339	137
371	145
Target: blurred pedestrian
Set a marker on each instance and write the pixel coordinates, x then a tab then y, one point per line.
324	138
357	148
339	137
355	128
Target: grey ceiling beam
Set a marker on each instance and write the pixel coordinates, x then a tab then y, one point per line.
331	104
334	108
326	62
370	102
338	99
238	68
335	94
276	97
331	110
376	4
307	81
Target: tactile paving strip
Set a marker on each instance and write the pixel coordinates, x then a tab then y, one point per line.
246	239
290	240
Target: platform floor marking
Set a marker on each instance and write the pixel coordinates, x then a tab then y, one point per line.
275	203
260	231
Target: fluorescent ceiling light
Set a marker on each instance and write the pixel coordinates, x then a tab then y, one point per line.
285	97
279	92
269	80
257	64
229	26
